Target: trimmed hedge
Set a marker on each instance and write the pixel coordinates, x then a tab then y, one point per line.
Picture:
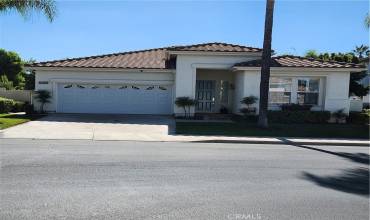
10	105
296	117
295	107
362	118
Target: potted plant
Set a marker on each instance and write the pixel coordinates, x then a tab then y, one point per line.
248	101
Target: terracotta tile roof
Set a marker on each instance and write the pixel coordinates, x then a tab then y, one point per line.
144	59
295	61
216	47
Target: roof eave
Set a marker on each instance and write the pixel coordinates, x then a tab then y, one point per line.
98	69
313	69
219	53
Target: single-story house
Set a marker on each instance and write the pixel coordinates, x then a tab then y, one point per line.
217	75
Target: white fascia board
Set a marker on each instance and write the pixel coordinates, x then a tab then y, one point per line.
301	69
100	69
112	81
205	53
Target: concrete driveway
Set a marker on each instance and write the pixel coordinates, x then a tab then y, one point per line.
94	127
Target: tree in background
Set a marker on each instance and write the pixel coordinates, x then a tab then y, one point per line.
355	88
339	57
265	65
29	76
5	83
25	7
11	66
311	54
361	51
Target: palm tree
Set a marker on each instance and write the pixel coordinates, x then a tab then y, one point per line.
367	20
24	7
361	50
43	96
265	65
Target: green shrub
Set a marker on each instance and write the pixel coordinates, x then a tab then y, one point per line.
18	106
358	118
28	108
10	105
6	105
296	117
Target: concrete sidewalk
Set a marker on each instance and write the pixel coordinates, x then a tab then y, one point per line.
138	128
116	136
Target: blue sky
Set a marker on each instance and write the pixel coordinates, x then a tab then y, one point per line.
85	28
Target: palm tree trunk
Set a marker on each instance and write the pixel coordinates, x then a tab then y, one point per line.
265	65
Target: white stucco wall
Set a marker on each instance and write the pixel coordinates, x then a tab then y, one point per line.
246	84
334	86
53	77
186	66
337	91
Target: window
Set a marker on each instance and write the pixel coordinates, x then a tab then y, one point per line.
94	87
280	90
150	88
80	86
135	87
68	86
308	91
162	88
123	87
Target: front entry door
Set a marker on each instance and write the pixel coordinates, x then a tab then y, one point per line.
205	95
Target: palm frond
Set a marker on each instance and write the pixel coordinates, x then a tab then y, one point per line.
24	7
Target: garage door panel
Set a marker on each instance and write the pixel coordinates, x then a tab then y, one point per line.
126	99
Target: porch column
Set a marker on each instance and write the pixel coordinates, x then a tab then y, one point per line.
185	80
247	83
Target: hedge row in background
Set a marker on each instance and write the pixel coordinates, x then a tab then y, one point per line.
10	105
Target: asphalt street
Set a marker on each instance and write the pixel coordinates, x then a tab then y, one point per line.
60	179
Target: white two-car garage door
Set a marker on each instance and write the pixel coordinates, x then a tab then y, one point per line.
114	99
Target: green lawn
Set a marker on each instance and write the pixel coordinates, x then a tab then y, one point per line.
9	120
275	130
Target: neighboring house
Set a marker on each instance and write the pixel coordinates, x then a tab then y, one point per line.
215	74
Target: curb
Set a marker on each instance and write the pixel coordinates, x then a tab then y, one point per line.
280	142
283	142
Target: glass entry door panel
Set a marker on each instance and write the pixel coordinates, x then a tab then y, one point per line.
205	95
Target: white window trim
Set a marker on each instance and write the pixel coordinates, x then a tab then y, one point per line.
294	91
